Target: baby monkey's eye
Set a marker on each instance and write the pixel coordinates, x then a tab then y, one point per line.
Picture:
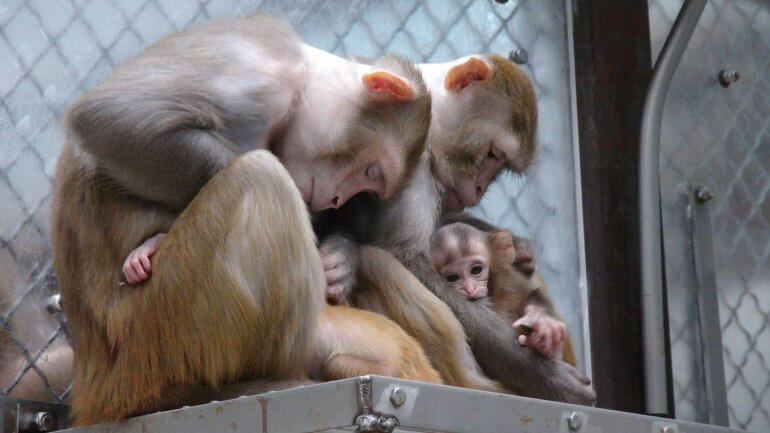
492	155
374	171
452	278
476	269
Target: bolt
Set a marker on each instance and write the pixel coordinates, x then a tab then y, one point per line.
44	421
728	77
519	55
53	304
667	429
397	397
575	421
703	194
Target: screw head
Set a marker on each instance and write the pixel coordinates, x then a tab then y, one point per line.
519	56
574	421
728	77
397	397
667	429
44	421
703	194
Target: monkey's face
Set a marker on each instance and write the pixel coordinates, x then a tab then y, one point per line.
484	122
469	275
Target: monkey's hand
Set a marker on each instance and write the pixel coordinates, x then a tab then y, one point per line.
339	257
525	260
547	333
137	267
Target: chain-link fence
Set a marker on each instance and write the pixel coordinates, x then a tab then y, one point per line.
51	52
720	137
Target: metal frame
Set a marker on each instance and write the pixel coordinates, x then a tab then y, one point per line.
699	215
583	281
656	383
395	404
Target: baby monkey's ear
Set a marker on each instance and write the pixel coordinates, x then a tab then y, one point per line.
501	246
462	75
384	86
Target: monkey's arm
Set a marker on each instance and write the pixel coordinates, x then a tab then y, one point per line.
493	341
154	143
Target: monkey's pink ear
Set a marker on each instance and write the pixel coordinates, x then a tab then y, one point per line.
460	76
501	243
385	86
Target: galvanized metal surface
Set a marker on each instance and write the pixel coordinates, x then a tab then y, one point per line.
708	306
656	386
428	408
720	137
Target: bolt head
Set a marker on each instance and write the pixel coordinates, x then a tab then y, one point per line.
667	429
575	421
397	397
44	421
519	56
703	194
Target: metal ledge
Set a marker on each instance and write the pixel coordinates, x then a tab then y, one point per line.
337	406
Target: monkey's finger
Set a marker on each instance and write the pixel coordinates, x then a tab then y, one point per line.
523	340
524	322
145	261
141	274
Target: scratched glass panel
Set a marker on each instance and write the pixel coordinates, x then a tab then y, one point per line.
720	137
51	52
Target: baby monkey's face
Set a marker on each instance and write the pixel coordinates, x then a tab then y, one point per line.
468	274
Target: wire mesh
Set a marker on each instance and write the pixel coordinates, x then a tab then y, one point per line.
720	137
51	52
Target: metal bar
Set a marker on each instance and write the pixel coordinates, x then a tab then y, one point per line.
649	206
312	408
580	229
708	305
332	407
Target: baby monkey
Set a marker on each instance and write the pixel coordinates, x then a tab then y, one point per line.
479	264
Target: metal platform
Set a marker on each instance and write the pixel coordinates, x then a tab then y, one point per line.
382	404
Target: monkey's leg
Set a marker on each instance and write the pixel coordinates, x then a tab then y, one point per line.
354	342
236	292
387	287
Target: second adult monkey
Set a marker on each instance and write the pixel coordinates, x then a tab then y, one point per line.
484	121
163	146
479	264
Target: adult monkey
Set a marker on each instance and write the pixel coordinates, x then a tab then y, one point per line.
484	120
161	146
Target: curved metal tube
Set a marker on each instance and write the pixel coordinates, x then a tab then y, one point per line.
649	206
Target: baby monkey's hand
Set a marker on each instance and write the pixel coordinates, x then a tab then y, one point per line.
137	267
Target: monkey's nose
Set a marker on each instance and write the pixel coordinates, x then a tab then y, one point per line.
480	190
336	202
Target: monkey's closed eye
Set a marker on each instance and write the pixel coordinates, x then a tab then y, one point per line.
374	171
452	277
493	155
476	269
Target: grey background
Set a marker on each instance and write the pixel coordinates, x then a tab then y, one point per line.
720	138
51	51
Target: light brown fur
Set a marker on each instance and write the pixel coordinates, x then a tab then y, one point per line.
341	352
197	321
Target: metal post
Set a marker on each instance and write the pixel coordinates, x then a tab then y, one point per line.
708	305
649	200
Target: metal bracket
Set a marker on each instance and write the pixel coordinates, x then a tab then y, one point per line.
699	214
29	416
367	420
